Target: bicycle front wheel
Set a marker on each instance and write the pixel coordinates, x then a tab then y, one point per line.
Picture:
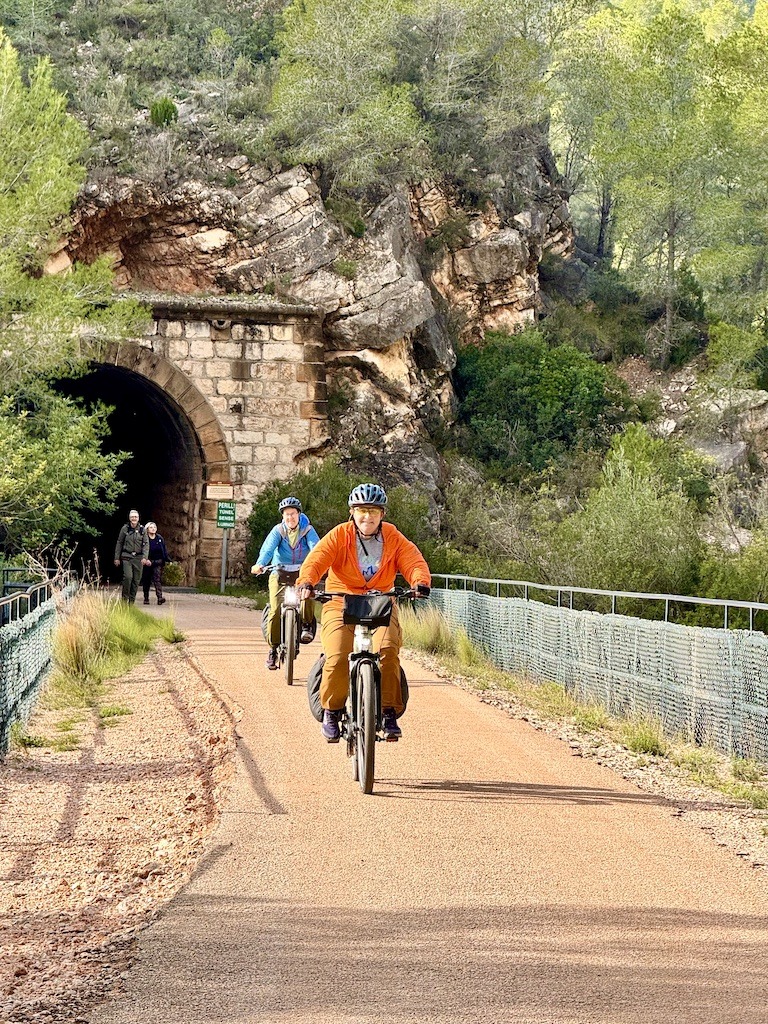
289	643
366	725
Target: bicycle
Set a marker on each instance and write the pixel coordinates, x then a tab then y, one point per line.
290	620
361	720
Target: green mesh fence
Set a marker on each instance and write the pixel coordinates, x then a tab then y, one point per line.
25	657
708	685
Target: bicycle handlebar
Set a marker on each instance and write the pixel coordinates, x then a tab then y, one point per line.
324	596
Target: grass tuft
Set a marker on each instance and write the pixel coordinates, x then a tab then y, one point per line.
101	638
742	779
644	736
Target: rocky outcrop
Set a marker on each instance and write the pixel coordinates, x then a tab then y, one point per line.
388	346
486	268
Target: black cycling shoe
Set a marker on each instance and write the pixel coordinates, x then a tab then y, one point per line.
390	728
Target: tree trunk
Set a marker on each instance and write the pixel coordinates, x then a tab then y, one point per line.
669	297
604	247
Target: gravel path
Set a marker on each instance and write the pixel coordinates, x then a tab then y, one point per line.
94	841
497	877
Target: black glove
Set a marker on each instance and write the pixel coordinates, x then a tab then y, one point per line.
422	590
306	591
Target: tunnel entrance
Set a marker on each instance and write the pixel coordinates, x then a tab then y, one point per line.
163	474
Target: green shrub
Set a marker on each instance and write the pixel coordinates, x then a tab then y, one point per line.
346	268
631	535
348	213
163	112
645	736
523	403
323	491
174	574
99	638
427	629
742	576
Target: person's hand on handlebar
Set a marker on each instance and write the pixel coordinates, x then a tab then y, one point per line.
257	570
306	592
422	590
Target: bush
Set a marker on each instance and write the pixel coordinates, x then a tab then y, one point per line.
523	404
323	491
742	576
174	574
347	212
346	268
163	112
633	534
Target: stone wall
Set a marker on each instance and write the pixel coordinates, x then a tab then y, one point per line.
245	382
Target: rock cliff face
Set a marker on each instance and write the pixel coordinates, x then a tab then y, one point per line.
388	298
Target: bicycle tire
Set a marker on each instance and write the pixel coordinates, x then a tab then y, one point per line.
289	644
365	713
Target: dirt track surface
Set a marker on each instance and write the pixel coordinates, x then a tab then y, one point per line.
491	877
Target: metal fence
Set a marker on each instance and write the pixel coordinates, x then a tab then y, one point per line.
707	684
28	617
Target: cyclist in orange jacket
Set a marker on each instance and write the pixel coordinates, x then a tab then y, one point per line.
361	555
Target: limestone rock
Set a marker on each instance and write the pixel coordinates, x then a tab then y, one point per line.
382	327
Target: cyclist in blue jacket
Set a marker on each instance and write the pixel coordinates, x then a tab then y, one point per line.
286	545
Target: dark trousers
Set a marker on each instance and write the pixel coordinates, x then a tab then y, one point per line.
152	576
131	575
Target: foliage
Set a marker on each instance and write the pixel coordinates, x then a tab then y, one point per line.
637	531
524	403
39	160
335	101
741	576
53	473
645	736
346	268
489	529
99	639
163	112
323	491
636	451
737	357
347	212
49	324
174	575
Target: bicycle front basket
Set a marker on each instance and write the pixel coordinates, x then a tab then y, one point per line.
365	610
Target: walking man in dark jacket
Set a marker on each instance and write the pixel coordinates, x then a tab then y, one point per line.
132	549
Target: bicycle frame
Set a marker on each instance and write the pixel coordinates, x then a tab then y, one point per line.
361	719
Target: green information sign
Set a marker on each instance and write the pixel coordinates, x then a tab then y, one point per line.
225	514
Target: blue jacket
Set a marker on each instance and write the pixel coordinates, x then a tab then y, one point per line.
277	551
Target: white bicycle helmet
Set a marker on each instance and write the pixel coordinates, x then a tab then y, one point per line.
368	494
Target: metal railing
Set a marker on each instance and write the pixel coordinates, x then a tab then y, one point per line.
565	594
20	597
26	641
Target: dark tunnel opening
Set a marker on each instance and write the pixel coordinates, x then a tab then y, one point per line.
163	474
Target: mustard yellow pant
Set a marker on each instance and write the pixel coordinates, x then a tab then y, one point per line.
276	591
337	640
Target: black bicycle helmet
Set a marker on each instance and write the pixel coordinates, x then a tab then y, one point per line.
289	503
368	494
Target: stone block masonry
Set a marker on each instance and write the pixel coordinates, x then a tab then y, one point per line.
245	379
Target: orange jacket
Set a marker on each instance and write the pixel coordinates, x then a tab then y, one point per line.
336	554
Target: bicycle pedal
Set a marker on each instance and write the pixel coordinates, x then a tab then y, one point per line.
391	739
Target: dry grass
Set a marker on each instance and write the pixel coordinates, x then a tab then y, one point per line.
98	639
742	779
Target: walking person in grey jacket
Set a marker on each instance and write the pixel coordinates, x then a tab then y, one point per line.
132	549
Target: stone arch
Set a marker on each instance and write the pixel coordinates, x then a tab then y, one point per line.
191	450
